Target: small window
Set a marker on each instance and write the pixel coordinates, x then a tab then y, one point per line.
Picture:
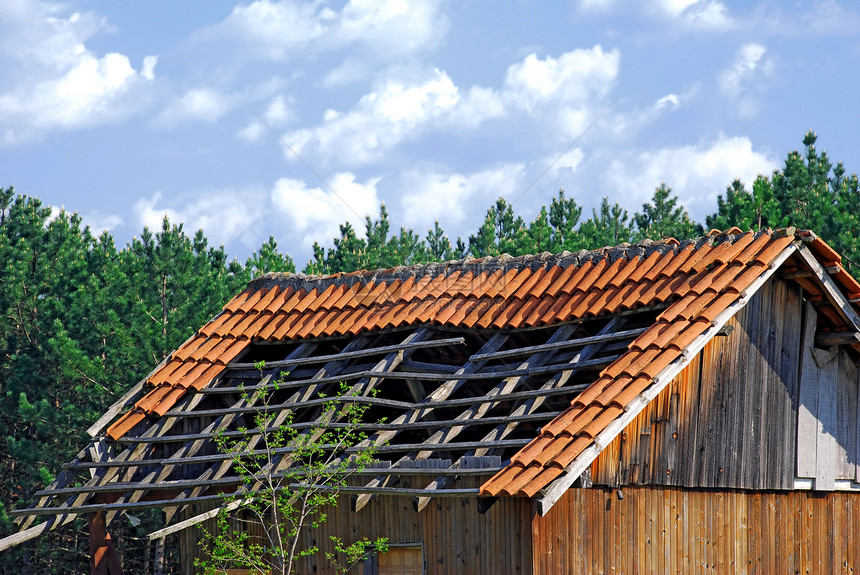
398	560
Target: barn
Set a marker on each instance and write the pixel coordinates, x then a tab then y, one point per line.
664	407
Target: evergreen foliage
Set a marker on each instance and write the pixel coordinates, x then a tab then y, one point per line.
82	319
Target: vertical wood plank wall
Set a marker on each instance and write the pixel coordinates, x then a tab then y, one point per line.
456	538
662	530
730	418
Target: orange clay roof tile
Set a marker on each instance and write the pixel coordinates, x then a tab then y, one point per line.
606	276
279	300
233	305
773	249
549	452
593	275
560	280
705	275
573	283
823	251
570	452
583	419
600	422
691	331
168	401
522	479
208	375
229	326
250	301
125	423
716	307
644	266
189	347
164	374
532	450
632	265
670	288
493	311
631	391
215	323
542	479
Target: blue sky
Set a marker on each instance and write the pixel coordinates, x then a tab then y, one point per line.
124	111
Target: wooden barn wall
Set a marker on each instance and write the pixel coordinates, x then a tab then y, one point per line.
456	539
827	428
663	530
730	418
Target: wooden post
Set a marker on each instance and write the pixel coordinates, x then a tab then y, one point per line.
158	568
103	557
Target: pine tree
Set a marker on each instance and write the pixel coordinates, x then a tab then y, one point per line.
663	218
564	214
609	227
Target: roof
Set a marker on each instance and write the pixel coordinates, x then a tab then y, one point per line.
553	355
488	293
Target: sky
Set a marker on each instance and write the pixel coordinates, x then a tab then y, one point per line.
288	118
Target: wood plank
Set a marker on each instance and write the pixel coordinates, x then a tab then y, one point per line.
807	413
346	355
826	445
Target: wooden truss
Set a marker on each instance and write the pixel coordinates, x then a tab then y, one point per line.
441	404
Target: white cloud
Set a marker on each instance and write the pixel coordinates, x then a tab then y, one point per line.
99	221
270	30
278	113
196	105
434	195
394	111
745	79
696	173
670	100
406	103
314	214
224	215
574	77
55	81
704	14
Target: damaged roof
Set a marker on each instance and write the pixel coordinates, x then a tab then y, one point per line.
519	370
703	278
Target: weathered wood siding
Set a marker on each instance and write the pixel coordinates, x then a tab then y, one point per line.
455	537
827	432
730	418
664	530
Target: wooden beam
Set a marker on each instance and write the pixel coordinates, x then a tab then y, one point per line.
103	557
430	403
345	355
531	404
602	337
828	338
834	294
552	493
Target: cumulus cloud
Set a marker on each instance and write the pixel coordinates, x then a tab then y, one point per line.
704	14
196	105
269	30
574	77
99	221
55	81
404	104
744	79
435	195
224	215
395	110
696	173
278	113
315	213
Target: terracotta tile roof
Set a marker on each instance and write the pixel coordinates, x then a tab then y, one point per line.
704	280
699	278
